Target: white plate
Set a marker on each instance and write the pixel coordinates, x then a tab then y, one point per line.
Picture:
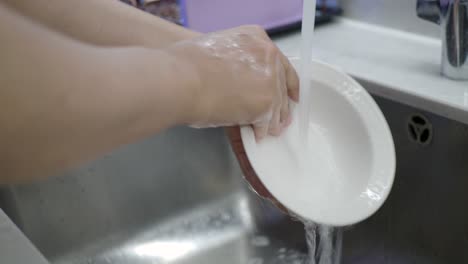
345	171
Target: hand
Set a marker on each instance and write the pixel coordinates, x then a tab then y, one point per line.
243	79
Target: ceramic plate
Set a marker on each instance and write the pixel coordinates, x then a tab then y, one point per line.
344	171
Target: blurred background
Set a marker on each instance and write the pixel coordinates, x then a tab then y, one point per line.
213	15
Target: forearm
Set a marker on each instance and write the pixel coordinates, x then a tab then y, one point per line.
102	22
65	102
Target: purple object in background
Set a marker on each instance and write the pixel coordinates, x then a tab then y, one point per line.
214	15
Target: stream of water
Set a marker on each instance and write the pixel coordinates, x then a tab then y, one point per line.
324	244
307	33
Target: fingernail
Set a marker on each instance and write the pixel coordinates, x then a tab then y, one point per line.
282	128
258	138
288	121
277	131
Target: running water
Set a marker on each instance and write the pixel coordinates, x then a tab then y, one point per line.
324	244
308	24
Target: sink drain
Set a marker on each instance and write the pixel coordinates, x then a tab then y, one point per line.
419	129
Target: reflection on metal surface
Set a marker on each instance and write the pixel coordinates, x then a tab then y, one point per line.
180	239
165	251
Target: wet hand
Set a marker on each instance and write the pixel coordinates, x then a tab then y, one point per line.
243	79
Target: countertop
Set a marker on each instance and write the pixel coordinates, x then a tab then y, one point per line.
404	66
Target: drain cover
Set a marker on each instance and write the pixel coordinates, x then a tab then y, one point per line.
419	129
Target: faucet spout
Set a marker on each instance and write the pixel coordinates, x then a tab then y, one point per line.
452	15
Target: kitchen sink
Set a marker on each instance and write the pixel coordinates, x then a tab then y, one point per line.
179	197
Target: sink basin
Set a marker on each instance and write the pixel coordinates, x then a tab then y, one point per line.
179	198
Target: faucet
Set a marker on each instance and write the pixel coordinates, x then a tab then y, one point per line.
452	15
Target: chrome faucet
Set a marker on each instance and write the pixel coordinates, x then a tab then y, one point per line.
452	15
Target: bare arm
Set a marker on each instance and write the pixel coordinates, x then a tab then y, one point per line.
64	102
102	22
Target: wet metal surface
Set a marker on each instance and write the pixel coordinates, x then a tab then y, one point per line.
179	198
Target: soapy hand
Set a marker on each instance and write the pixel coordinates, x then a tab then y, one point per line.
243	79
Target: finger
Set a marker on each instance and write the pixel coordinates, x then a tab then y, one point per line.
288	120
275	124
261	130
284	114
292	79
281	110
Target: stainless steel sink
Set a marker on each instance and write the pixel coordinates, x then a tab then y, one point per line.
179	198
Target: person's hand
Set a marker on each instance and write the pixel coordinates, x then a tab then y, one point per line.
243	79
